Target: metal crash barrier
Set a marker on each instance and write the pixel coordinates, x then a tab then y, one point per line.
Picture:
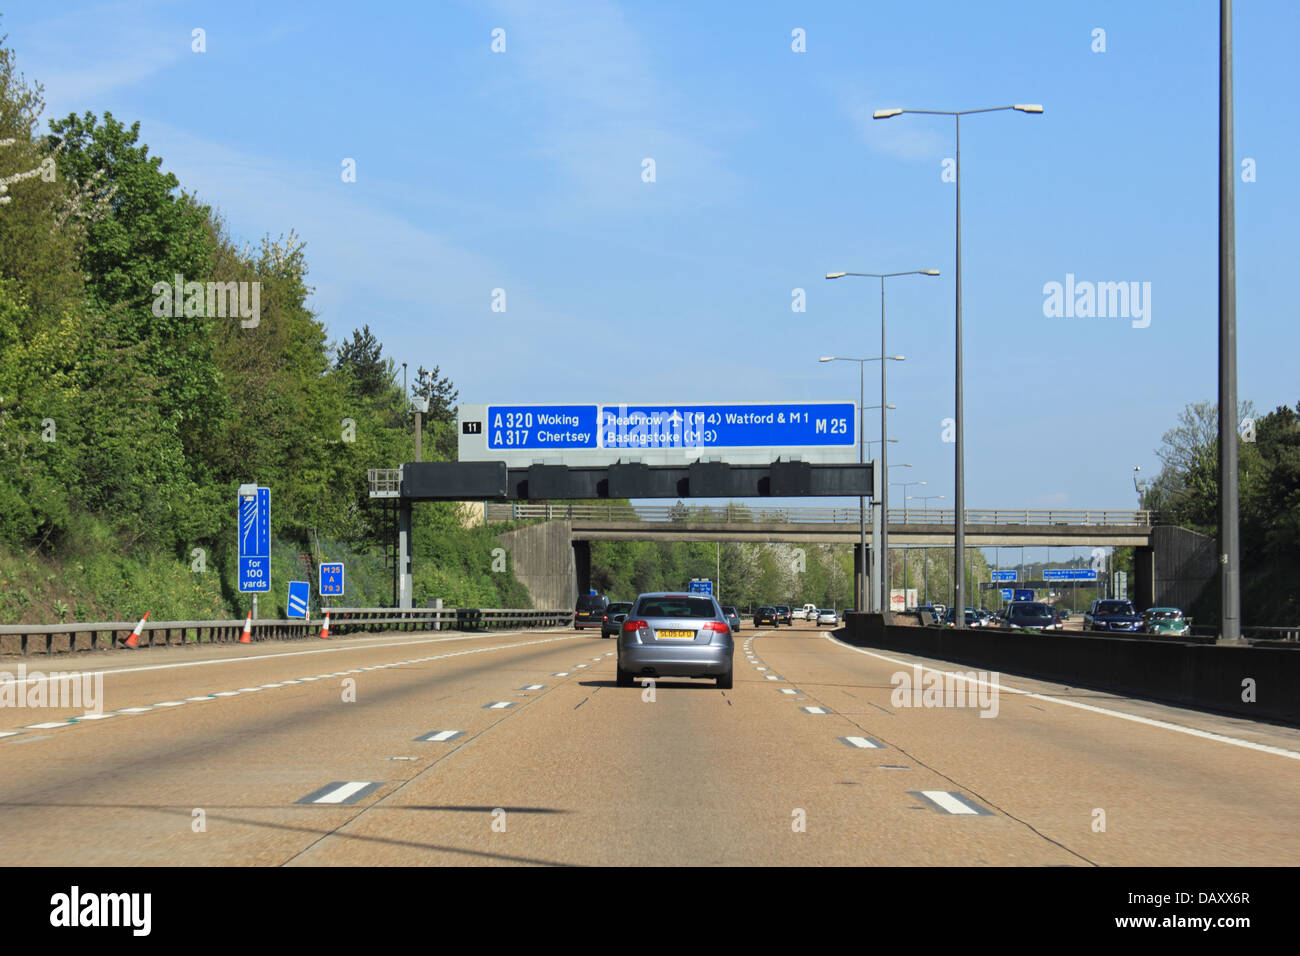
22	639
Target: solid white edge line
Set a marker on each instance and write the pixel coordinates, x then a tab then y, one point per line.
323	650
1164	725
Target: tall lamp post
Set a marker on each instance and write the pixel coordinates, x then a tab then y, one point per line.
883	544
905	485
861	591
925	558
959	502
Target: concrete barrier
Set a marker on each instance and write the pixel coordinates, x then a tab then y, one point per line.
1212	677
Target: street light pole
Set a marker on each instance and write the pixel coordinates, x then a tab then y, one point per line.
860	587
1229	536
883	544
959	497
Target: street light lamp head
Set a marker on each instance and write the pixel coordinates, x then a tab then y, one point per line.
1029	107
896	358
836	275
929	272
885	114
827	358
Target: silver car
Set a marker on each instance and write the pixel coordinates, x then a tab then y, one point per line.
675	635
827	616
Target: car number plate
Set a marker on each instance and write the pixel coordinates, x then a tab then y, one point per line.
675	635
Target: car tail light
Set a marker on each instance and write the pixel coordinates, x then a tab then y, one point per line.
604	618
635	625
716	626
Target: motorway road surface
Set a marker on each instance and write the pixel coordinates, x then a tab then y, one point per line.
518	748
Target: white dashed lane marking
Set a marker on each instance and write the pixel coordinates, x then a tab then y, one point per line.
863	743
947	802
815	710
441	736
499	705
341	792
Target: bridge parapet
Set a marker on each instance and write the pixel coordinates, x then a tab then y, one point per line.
743	514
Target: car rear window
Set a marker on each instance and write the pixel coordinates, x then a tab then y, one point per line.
620	608
675	607
1031	610
590	603
1115	607
728	610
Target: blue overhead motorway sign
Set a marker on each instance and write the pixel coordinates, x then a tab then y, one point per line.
1069	574
1004	575
658	433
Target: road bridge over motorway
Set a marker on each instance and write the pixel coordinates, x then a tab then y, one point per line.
609	521
1171	564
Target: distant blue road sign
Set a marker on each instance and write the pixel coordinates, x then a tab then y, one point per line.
1069	574
1006	594
254	520
701	586
299	596
1004	575
331	579
1023	594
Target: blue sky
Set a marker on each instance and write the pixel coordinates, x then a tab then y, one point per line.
522	170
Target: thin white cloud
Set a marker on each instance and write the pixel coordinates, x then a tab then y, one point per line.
603	110
81	56
899	137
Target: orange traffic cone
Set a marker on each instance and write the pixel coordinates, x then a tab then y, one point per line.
325	631
134	640
247	636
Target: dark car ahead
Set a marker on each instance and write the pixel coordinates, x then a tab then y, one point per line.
612	621
590	611
1031	616
784	614
972	619
764	616
675	635
1112	614
733	617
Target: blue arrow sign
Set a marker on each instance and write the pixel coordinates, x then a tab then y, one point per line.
299	596
254	529
1004	575
331	579
1006	594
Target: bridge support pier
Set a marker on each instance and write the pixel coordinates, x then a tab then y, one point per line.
859	585
582	565
1144	578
